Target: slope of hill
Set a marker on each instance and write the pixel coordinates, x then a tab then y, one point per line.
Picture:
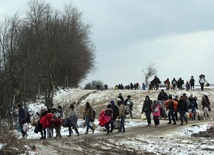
138	139
100	99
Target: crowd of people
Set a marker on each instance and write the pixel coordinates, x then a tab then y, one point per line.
165	106
185	106
174	84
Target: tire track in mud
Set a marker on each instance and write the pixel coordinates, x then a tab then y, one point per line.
102	143
83	98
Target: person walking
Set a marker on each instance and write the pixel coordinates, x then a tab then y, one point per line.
42	122
115	115
162	96
59	116
88	116
72	121
167	84
108	115
205	106
182	108
192	83
171	105
202	80
193	106
156	113
122	116
129	105
120	99
174	83
22	119
147	108
48	123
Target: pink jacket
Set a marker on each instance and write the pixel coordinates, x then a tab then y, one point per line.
156	110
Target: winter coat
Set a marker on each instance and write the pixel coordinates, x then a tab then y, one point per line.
192	81
59	114
182	105
48	118
42	122
174	82
202	80
115	111
162	96
121	110
128	102
205	104
156	110
45	121
21	116
88	113
147	105
171	104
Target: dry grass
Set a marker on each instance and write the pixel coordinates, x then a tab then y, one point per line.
11	145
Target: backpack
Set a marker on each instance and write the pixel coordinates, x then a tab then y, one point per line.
93	117
127	109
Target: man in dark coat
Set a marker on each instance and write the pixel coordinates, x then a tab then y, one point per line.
115	115
22	119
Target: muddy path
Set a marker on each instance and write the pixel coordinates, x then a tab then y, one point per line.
115	143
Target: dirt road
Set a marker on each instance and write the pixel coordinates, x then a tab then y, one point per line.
117	143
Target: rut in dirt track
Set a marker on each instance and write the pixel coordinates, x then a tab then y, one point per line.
104	144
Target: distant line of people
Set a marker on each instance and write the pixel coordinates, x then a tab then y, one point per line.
155	83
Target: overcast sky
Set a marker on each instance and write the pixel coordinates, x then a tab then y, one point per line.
177	36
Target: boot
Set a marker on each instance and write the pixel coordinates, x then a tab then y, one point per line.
69	133
86	131
76	131
169	123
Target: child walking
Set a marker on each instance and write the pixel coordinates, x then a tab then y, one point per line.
156	113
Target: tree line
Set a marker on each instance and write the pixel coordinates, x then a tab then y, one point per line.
44	49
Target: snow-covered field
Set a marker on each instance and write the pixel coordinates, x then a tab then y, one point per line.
177	141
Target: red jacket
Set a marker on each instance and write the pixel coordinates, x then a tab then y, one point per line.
46	120
103	119
48	117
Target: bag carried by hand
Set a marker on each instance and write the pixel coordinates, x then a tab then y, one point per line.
25	127
66	122
143	117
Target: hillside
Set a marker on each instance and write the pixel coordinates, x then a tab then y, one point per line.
99	99
138	138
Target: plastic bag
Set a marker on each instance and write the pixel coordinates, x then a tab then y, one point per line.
25	127
143	117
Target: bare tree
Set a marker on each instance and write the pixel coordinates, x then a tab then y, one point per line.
94	84
46	49
150	71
